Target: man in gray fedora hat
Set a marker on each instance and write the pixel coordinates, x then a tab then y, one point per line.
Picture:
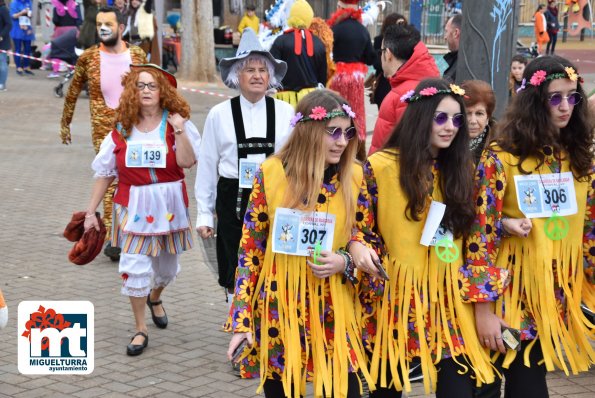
238	135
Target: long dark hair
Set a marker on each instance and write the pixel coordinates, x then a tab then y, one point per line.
412	139
527	124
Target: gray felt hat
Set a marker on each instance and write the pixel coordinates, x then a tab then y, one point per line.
249	45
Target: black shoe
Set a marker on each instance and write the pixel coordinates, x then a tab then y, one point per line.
159	321
137	349
29	72
112	252
415	373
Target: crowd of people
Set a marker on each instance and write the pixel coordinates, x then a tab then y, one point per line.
457	244
74	27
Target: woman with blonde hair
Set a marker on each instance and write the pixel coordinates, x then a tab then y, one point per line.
291	305
146	152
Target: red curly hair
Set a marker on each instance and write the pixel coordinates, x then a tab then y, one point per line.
127	113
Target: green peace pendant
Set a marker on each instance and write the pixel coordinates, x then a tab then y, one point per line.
446	250
556	227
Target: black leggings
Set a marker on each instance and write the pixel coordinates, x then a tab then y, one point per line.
521	381
524	382
449	384
274	388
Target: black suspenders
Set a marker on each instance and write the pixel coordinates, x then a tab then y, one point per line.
251	146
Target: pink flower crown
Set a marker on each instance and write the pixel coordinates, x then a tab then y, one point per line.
541	76
427	92
320	113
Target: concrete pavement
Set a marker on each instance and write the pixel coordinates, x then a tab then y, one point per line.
43	182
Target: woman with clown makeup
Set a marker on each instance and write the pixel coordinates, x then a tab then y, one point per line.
293	303
540	167
414	209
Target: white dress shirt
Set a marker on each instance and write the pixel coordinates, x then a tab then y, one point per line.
218	153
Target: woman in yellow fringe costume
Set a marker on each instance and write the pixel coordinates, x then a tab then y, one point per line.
419	314
541	169
299	317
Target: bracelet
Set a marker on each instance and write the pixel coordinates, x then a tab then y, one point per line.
178	131
89	215
348	272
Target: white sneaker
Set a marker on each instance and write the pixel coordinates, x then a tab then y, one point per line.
2	88
53	75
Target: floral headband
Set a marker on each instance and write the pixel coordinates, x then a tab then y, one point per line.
410	95
541	76
320	113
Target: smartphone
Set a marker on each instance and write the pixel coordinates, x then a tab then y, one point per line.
511	338
380	268
237	353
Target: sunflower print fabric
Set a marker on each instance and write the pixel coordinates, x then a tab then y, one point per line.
480	278
251	254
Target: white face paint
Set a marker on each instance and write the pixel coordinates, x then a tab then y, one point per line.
105	32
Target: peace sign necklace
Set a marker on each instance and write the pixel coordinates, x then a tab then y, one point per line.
555	227
445	248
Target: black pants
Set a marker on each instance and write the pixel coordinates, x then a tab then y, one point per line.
551	43
229	231
524	382
449	384
274	388
521	381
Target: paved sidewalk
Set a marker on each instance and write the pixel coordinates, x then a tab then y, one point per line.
43	182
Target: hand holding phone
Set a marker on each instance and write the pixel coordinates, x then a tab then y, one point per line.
380	268
237	353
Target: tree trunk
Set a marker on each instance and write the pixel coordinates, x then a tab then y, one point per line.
198	46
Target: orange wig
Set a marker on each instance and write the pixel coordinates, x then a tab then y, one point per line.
127	113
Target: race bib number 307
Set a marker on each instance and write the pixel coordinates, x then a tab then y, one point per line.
539	196
296	232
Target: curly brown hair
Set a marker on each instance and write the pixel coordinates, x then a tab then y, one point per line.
127	113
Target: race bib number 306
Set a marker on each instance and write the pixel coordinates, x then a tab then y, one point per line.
539	196
296	232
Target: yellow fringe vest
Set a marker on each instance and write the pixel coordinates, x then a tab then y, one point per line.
417	274
304	300
542	266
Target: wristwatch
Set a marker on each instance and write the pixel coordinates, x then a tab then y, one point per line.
178	131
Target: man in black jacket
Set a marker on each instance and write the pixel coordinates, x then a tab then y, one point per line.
452	35
5	26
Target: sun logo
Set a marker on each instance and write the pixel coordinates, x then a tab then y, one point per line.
529	198
248	174
286	235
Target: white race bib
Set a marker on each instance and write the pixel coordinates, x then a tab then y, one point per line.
247	170
432	230
296	232
146	154
539	196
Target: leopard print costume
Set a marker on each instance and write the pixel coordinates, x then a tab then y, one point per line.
87	70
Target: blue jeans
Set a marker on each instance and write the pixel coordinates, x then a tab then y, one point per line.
22	47
3	68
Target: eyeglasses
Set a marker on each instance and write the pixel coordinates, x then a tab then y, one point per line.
458	119
556	99
152	86
337	132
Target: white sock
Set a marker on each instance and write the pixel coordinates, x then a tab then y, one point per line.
229	299
3	317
